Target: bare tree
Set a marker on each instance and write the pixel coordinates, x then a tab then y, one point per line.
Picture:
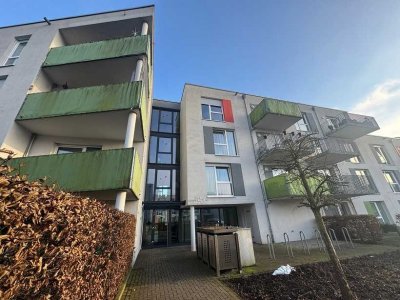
317	190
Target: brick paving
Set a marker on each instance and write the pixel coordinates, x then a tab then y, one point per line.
173	273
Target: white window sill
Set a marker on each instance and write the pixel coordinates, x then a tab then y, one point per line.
220	196
227	155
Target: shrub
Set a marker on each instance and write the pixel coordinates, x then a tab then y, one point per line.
60	246
388	228
362	228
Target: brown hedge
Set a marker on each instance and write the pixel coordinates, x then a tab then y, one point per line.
56	245
362	228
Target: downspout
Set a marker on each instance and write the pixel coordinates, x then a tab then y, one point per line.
266	201
29	147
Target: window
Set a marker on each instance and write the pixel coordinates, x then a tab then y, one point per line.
76	149
165	121
162	184
2	80
16	52
355	160
212	112
219	182
224	142
163	150
392	180
364	178
333	123
303	124
380	154
379	210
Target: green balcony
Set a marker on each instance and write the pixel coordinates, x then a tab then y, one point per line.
90	112
130	46
281	187
105	170
275	115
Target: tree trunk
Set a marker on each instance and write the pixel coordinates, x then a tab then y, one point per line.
344	286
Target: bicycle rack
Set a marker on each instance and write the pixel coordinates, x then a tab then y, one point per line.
320	243
333	236
347	237
288	246
270	247
304	242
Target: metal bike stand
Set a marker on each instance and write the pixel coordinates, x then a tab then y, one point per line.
333	236
304	242
270	247
347	237
288	246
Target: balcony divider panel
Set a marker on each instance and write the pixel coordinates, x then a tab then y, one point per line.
138	45
83	172
82	100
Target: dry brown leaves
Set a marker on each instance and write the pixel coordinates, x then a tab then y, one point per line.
58	245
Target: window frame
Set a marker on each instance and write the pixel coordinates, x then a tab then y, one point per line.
380	153
394	179
228	168
305	121
173	188
210	112
82	147
226	144
18	41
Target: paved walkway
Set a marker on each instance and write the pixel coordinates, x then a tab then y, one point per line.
173	273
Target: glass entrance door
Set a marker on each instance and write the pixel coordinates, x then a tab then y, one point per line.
155	227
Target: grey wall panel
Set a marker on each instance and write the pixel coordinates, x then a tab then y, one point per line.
237	180
208	140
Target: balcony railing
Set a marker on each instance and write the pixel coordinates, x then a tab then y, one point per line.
283	187
331	151
352	186
86	100
138	45
276	115
273	151
349	126
85	172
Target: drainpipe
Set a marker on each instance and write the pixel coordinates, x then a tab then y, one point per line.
266	201
130	128
192	229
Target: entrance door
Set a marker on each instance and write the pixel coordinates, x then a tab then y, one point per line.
155	227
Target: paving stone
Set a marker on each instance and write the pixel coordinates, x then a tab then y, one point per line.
174	273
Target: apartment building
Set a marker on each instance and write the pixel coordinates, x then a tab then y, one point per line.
75	103
231	142
76	108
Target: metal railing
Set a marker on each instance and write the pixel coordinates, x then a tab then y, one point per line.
344	119
304	243
269	143
270	247
288	245
352	185
334	145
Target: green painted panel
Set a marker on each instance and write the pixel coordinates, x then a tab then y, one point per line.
281	187
82	100
79	172
137	45
274	106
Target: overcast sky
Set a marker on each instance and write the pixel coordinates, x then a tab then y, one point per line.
342	54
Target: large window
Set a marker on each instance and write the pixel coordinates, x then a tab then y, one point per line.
303	124
212	112
219	181
65	149
355	159
164	150
165	121
226	216
161	184
380	154
16	52
379	210
224	142
392	180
